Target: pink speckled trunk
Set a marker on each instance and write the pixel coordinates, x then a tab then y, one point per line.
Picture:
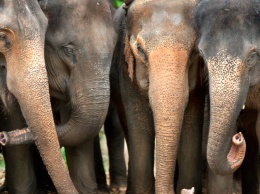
225	150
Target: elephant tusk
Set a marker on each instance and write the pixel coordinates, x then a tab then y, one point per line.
243	107
188	191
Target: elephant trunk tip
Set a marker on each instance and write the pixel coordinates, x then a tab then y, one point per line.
232	161
16	137
238	139
237	152
4	138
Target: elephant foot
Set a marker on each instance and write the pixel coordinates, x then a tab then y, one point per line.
117	189
118	185
102	189
188	191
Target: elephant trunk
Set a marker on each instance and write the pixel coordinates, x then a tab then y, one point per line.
89	103
225	151
89	106
27	81
168	95
16	137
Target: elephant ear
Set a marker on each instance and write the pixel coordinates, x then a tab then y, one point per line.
195	71
129	58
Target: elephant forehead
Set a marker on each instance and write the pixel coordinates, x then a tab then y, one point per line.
162	25
20	17
165	36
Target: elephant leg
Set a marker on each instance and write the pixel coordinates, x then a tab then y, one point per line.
20	169
137	123
219	184
237	187
205	133
99	167
136	119
190	150
19	162
115	144
140	140
44	182
80	160
250	182
258	138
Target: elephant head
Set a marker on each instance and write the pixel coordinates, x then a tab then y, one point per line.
22	32
78	51
158	41
229	43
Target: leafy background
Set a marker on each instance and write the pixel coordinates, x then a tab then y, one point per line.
117	3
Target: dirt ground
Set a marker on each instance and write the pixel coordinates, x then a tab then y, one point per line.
2	176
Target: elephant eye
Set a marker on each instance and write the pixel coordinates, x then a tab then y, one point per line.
69	50
5	44
252	58
3	36
141	52
68	55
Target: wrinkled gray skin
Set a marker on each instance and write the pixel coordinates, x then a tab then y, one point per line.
229	41
78	54
24	77
155	85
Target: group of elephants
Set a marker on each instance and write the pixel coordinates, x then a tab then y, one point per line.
185	73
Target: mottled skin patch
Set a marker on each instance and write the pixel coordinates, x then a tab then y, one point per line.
159	38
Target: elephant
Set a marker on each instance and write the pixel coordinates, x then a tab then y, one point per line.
115	144
228	41
22	154
24	80
23	176
78	66
156	87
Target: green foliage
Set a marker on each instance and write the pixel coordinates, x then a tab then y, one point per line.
117	3
2	162
64	155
